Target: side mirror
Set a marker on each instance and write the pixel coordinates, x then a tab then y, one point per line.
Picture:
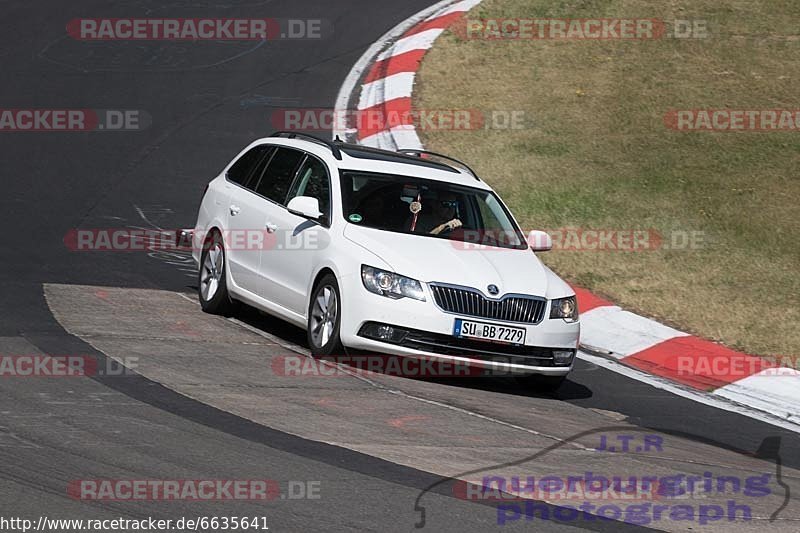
304	206
540	241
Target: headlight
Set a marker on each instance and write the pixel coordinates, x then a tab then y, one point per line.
566	308
390	284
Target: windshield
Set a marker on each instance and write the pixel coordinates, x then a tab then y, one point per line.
428	208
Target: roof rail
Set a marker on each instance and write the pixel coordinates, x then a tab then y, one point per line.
420	153
333	145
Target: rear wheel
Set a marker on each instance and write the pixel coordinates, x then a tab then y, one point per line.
213	289
542	383
324	318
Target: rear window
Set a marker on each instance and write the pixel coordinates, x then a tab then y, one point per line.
246	167
278	176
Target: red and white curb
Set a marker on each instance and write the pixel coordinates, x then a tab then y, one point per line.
693	362
383	81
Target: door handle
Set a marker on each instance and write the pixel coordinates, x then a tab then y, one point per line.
271	228
235	209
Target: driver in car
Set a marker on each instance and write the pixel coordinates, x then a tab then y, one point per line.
442	216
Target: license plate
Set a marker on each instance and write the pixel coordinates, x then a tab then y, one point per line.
469	329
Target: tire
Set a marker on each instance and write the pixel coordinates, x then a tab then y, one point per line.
324	318
212	285
541	383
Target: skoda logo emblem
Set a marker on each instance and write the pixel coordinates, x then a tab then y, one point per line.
493	290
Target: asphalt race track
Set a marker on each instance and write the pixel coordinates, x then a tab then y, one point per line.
202	400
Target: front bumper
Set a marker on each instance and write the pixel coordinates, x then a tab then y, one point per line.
428	331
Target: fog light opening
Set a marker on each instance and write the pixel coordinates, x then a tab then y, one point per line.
563	357
383	332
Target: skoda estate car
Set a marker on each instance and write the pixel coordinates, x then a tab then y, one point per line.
405	253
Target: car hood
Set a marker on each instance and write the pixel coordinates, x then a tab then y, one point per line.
430	259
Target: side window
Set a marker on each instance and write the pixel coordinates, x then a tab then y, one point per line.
312	180
252	181
277	178
249	165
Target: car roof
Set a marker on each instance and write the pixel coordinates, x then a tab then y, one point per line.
366	159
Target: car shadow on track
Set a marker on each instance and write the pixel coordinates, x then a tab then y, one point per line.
569	390
289	333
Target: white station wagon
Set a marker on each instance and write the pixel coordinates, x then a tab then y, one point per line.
405	253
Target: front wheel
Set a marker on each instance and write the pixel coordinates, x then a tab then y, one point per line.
324	317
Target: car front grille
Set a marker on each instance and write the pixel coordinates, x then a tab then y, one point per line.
473	349
470	302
